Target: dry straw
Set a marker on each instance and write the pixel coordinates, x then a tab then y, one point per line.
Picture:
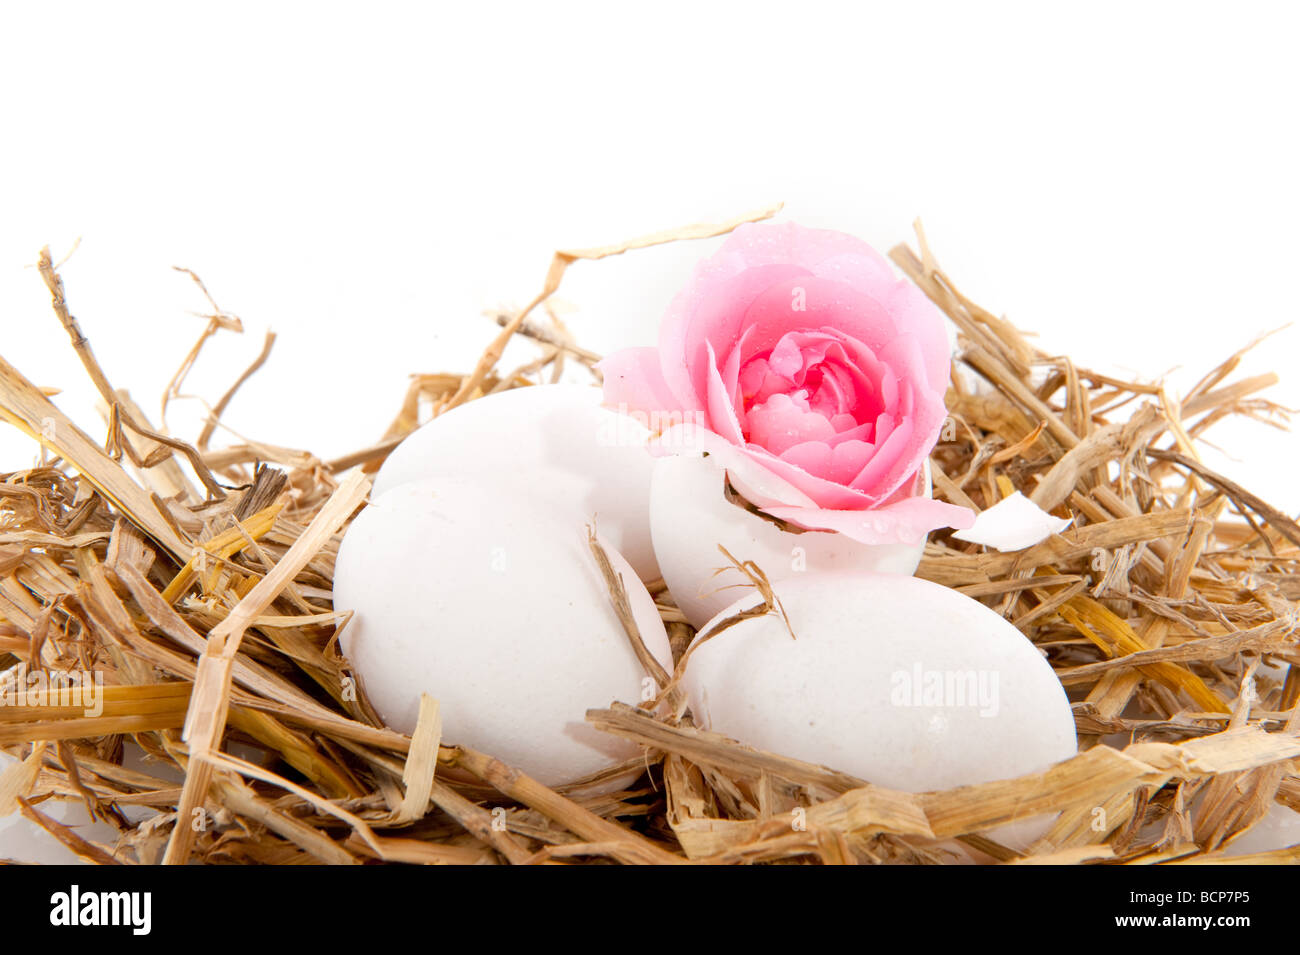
202	593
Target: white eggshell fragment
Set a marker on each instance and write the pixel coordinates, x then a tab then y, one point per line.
479	598
1013	523
587	462
690	517
896	680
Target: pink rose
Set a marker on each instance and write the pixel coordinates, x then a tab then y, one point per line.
814	374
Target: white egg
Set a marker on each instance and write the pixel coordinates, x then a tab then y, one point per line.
896	680
690	517
556	440
475	595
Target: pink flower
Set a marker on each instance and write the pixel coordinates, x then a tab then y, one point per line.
815	376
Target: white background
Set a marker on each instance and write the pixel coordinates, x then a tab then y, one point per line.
365	179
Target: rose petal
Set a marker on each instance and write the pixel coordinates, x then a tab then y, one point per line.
826	304
917	316
919	415
862	432
722	414
782	422
824	492
885	425
904	522
863	268
634	382
811	456
825	251
828	359
847	458
890	456
787	358
758	382
711	309
758	484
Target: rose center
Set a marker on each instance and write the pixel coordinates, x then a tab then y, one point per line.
814	398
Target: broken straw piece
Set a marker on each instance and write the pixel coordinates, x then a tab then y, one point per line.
1014	523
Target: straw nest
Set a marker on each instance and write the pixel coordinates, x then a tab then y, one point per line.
198	582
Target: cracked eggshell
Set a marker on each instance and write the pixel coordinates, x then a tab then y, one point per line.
690	517
474	594
899	681
587	462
